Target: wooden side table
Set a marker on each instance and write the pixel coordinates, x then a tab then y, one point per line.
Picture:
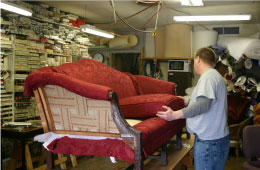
21	147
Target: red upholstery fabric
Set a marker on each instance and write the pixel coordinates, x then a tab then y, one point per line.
134	82
93	79
145	106
236	107
147	85
252	165
107	147
86	70
44	77
156	131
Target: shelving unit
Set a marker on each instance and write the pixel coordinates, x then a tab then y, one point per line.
156	60
7	97
32	43
27	58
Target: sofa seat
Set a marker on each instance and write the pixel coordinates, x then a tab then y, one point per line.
152	130
146	106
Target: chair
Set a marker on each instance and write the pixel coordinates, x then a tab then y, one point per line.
236	131
251	147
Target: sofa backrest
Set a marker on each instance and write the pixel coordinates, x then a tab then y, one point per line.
97	73
148	85
72	112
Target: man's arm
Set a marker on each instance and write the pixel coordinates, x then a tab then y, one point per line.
202	105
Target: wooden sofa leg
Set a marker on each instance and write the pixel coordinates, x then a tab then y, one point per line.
49	160
164	156
138	164
187	134
178	140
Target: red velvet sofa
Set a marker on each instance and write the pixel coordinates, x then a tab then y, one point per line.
117	96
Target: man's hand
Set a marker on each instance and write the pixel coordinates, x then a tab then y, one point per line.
169	114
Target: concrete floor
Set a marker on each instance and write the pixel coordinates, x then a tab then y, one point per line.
103	163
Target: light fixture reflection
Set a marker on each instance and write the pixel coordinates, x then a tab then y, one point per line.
213	18
15	8
93	30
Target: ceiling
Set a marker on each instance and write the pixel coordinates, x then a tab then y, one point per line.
100	11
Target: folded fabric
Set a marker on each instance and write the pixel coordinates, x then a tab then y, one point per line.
105	147
62	144
49	137
248	64
236	107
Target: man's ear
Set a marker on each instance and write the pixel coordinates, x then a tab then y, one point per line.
198	59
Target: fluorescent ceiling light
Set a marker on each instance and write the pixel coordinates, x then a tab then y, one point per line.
212	18
14	8
93	30
192	2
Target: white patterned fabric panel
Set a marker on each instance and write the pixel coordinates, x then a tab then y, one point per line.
73	112
133	122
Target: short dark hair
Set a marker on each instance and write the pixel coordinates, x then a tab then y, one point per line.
207	55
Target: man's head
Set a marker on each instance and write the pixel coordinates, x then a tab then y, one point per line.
205	58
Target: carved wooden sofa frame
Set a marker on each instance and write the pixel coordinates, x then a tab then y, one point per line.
129	135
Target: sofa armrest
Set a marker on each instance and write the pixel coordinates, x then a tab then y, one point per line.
85	89
147	85
65	112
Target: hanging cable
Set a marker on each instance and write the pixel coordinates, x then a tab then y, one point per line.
113	6
149	20
129	16
129	24
166	6
158	10
163	4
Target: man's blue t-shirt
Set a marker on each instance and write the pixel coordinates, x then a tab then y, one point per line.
212	124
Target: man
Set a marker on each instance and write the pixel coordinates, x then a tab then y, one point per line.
206	114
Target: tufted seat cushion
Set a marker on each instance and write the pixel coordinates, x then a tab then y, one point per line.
146	106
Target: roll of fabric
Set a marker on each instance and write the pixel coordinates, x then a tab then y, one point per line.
248	64
177	41
123	41
203	38
238	46
159	43
253	50
154	44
